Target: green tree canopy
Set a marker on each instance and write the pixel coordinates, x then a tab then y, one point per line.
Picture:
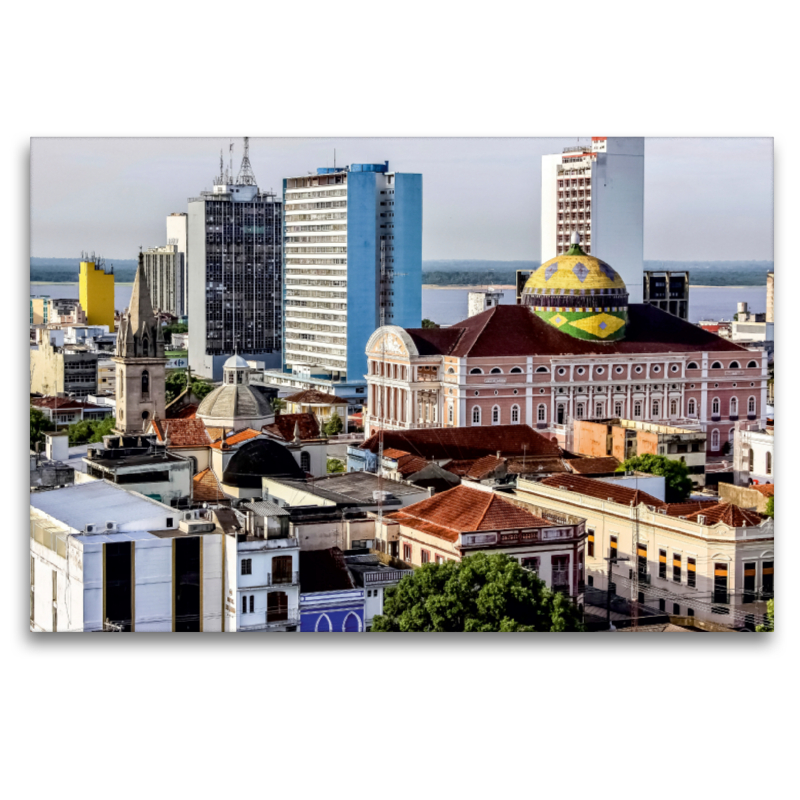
39	424
334	425
335	465
175	327
429	323
90	431
676	473
175	383
278	404
769	625
770	510
481	593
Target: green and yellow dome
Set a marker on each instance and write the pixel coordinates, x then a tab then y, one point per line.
580	295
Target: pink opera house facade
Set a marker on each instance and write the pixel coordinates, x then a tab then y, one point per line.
564	356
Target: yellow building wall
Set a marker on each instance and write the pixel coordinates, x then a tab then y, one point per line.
96	295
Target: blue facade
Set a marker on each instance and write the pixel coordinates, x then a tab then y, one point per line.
332	612
407	309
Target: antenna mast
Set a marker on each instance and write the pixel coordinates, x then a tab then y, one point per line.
246	176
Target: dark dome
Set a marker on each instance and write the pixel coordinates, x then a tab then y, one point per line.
257	459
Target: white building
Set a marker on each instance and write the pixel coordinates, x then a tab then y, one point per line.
478	302
103	558
753	453
597	190
165	272
178	235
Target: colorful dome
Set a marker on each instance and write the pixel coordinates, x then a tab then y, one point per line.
580	295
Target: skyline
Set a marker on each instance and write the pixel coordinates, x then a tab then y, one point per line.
112	195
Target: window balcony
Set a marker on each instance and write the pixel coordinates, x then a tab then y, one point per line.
283	578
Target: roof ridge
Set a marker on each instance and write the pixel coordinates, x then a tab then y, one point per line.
491	311
492	497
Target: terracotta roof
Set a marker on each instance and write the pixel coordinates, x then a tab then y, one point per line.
206	487
66	404
767	489
536	466
324	571
684	509
594	487
408	464
466	443
314	397
283	427
394	453
512	330
475	468
463	510
237	437
729	514
593	466
185	412
182	432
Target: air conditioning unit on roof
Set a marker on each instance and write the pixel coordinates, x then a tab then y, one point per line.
90	527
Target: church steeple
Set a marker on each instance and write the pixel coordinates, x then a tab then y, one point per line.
140	334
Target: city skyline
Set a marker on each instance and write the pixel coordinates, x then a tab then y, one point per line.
705	198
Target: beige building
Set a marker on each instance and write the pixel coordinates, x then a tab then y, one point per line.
70	369
706	560
141	390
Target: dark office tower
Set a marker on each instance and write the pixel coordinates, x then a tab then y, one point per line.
235	266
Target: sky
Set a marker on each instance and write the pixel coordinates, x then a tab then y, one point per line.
706	199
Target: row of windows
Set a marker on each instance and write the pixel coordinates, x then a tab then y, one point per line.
495	370
718	365
496	414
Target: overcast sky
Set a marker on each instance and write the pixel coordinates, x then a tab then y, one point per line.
705	199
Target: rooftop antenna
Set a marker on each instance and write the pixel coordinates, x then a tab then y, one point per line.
246	176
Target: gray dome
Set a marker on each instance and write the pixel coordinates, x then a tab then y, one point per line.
233	402
236	362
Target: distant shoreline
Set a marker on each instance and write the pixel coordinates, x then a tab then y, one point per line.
483	288
71	283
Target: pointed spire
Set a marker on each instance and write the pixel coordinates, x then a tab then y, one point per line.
141	307
246	176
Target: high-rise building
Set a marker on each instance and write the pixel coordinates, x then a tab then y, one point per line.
140	362
178	234
163	268
96	292
770	297
353	262
234	256
598	191
668	291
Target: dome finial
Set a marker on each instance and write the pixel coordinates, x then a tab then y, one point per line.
575	242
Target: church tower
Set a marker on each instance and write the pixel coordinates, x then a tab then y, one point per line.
140	361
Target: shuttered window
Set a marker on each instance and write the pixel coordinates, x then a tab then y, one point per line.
676	568
749	595
662	564
613	552
641	559
767	578
720	583
590	543
691	572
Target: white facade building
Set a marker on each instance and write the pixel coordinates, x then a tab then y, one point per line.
478	302
597	190
178	235
753	454
165	273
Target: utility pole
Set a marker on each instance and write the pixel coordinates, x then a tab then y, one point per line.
611	561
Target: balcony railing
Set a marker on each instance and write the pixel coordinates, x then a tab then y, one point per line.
290	617
387	576
283	578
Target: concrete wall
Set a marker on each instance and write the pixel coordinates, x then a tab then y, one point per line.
590	438
742	496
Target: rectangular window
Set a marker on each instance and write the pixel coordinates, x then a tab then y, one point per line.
662	604
749	595
767	578
691	572
689	612
617	409
590	543
613	547
560	567
425	556
721	583
641	560
247	566
244	604
662	564
590	580
676	568
531	564
252	603
407	553
676	609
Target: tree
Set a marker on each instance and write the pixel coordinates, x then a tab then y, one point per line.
481	593
429	323
334	425
175	383
278	404
676	473
39	424
90	431
769	625
770	510
175	327
335	465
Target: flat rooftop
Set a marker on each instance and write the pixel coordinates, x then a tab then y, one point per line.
360	485
138	460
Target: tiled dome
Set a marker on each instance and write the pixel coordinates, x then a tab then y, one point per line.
580	295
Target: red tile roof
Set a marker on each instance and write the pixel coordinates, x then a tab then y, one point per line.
65	404
188	411
536	466
594	487
475	468
767	489
512	330
593	466
466	443
182	432
206	488
237	437
394	453
283	427
408	464
314	397
729	514
464	510
684	509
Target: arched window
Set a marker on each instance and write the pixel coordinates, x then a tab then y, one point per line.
751	405
517	370
656	408
496	371
715	406
733	365
579	411
716	365
750	461
715	439
476	415
617	409
515	413
145	347
673	408
305	461
541	413
637	409
691	408
734	407
352	624
752	365
476	371
769	463
730	436
692	365
120	385
495	415
323	624
540	369
145	382
451	371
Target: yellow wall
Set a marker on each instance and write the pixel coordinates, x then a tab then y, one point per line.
96	294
